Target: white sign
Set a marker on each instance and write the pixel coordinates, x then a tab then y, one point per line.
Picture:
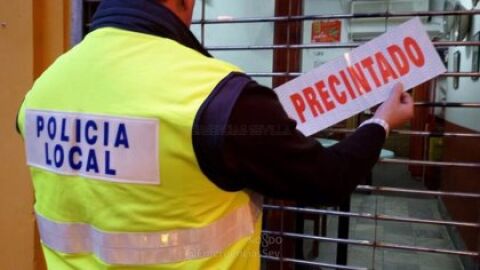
361	78
101	147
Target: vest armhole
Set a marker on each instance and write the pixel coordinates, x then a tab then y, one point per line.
210	126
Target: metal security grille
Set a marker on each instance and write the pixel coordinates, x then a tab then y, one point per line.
282	240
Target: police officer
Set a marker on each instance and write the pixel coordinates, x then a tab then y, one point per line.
146	152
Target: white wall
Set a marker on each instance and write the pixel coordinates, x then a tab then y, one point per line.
240	34
469	90
312	58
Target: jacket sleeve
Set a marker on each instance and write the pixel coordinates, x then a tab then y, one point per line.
262	150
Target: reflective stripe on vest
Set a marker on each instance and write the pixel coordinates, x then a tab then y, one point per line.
143	248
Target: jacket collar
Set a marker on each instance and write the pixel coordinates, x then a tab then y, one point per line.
145	16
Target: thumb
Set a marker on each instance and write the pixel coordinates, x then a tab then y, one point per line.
397	91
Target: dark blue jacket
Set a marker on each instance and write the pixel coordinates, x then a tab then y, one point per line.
255	144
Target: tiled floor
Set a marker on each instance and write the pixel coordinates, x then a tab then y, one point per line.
424	235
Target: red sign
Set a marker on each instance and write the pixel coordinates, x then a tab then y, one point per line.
361	78
326	31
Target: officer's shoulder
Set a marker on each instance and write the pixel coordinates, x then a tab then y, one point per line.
199	57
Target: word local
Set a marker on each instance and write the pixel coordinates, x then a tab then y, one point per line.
78	144
352	82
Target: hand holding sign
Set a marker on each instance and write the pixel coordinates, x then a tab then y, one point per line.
397	109
361	78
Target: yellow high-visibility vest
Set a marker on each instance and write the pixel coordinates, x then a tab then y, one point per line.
108	135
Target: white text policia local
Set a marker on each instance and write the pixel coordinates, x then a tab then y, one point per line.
81	144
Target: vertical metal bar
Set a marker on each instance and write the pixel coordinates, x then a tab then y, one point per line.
282	227
202	24
76	22
343	228
426	139
375	232
425	127
299	227
343	231
387	12
282	230
289	35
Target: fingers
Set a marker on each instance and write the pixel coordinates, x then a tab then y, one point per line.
406	105
406	98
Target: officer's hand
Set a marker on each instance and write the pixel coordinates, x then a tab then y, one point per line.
397	109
